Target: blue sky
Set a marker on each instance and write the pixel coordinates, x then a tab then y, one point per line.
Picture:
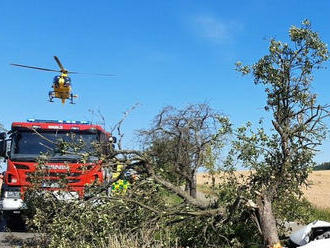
163	53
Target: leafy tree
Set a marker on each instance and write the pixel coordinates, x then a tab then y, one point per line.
180	141
283	157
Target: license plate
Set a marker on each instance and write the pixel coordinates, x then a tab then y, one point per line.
50	185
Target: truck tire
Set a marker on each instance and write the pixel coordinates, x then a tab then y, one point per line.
14	222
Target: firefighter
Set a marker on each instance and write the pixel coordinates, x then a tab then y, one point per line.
120	186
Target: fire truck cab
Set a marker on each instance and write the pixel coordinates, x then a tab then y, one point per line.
23	145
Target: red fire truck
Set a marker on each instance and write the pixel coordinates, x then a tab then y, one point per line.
27	141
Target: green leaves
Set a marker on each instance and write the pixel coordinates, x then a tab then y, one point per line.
283	157
241	68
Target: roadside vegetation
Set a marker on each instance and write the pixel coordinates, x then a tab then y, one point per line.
161	207
320	214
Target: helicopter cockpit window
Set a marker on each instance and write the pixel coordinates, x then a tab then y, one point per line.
56	78
67	81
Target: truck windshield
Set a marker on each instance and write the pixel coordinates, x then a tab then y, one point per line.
27	145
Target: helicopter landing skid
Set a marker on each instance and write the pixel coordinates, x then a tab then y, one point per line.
71	99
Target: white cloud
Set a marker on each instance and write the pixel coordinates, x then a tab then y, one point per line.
215	29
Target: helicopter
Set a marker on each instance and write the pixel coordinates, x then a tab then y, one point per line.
61	85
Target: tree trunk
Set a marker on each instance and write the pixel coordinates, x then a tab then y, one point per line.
267	222
187	187
193	189
191	185
213	181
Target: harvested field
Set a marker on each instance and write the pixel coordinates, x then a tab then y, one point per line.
318	193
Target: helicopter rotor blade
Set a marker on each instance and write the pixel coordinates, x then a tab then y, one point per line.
96	74
63	70
60	64
34	67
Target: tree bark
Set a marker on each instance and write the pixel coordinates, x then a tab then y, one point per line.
267	222
187	187
193	186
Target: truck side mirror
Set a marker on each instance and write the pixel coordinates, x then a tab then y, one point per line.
3	145
113	139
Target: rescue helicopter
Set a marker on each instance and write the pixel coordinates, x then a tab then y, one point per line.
62	87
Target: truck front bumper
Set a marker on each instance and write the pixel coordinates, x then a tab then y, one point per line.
11	204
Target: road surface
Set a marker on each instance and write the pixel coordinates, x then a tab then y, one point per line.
16	239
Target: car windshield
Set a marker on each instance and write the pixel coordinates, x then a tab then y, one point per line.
31	144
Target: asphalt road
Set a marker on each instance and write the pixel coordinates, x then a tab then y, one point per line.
11	239
15	239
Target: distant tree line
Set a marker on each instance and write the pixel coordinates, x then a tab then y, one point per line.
322	166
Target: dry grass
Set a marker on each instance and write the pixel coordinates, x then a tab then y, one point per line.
318	193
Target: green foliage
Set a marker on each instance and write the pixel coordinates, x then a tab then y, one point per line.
183	140
283	157
164	165
320	214
93	223
148	213
292	209
213	231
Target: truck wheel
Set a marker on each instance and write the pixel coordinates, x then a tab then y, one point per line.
14	222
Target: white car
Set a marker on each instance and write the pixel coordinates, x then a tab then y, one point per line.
314	235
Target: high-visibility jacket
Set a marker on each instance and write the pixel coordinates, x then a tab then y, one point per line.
120	186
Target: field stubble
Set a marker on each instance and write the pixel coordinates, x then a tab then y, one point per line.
318	191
